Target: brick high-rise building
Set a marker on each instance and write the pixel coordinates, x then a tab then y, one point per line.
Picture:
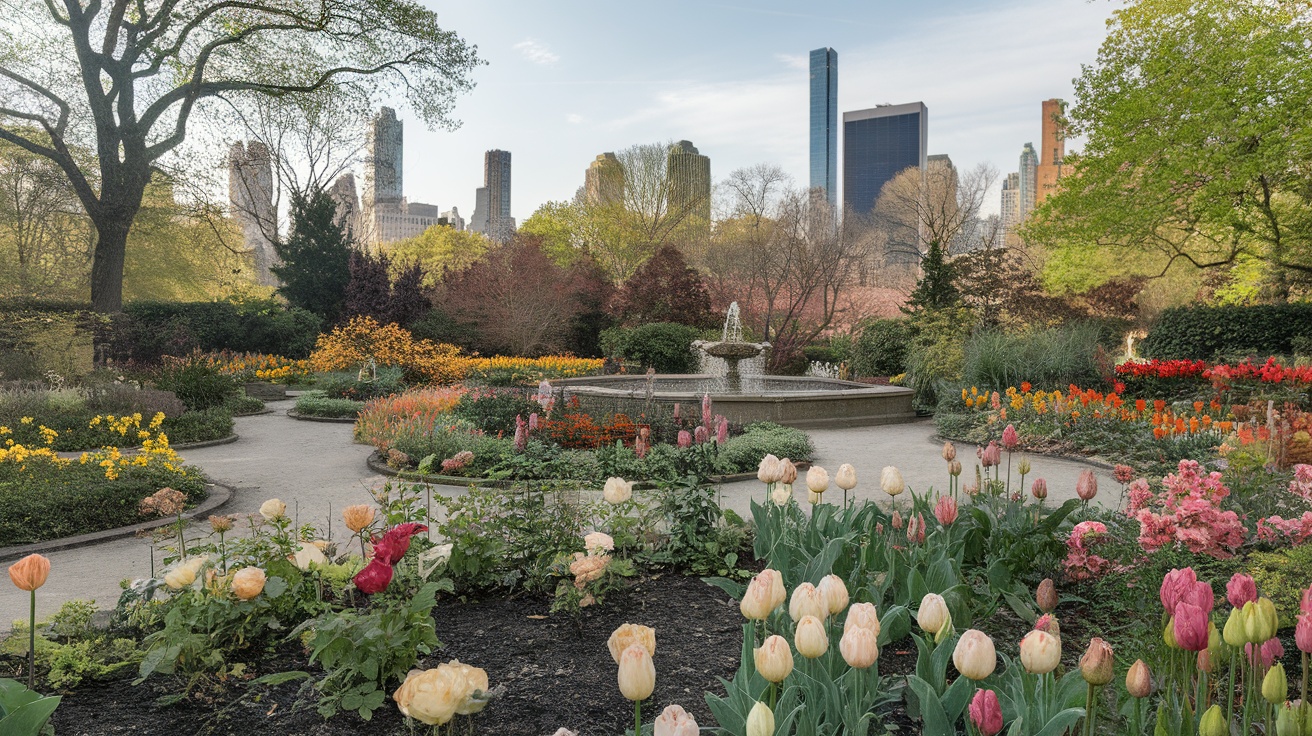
250	200
1052	152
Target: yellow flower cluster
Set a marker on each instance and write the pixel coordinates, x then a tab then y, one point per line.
155	452
20	455
128	423
350	346
259	366
558	366
48	435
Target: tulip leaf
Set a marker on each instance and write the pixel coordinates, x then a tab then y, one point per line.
30	718
931	710
278	678
1061	722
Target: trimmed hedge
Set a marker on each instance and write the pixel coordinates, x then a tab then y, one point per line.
1209	333
881	350
146	331
665	346
319	404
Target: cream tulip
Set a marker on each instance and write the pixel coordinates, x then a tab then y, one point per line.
764	594
975	656
273	509
430	696
845	478
859	647
617	490
629	634
637	673
308	554
835	593
817	479
760	720
1040	652
864	616
810	637
674	721
933	613
807	601
773	659
781	494
891	481
769	470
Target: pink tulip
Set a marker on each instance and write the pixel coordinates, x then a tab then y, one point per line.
991	455
1305	605
1040	489
533	422
1240	590
946	510
1270	651
916	529
677	411
1009	438
1199	594
685	439
1190	627
1087	486
986	712
897	519
1303	632
706	410
1174	584
721	431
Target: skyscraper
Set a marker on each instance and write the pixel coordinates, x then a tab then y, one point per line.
492	200
344	195
824	122
1010	212
688	176
250	199
603	182
1029	177
1053	150
386	215
879	143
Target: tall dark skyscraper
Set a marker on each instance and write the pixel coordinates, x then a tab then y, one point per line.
824	122
877	145
492	200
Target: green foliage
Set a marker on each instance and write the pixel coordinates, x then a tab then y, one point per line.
703	538
199	426
743	453
936	355
148	330
665	346
881	350
90	659
494	412
1282	576
1052	358
317	404
315	268
364	653
937	288
1206	333
196	383
387	381
24	712
78	499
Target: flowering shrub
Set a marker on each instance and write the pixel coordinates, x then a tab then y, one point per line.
1187	512
1081	562
353	345
503	370
258	366
416	423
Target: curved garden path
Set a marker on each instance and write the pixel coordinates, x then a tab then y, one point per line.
314	465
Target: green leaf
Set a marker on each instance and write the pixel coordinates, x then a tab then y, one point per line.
274	587
28	719
278	678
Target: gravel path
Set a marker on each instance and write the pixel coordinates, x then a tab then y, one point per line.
314	465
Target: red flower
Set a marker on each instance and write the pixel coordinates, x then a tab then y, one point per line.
395	542
375	576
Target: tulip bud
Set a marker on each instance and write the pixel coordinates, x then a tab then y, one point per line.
817	479
1215	647
1039	489
1303	633
891	481
1024	466
1287	720
674	721
1204	662
1046	596
1234	633
834	592
986	712
760	721
859	647
1214	723
862	616
814	498
248	582
774	660
916	529
807	601
617	490
1096	664
761	597
30	572
1009	437
1260	621
1240	590
769	470
1275	686
1087	486
781	494
954	468
810	637
946	510
787	472
637	673
949	451
933	613
897	520
1139	680
1168	634
1040	652
975	656
846	477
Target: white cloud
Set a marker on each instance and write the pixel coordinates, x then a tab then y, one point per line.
574	118
796	61
536	52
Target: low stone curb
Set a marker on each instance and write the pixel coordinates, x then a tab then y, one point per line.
1081	459
219	495
376	464
260	413
293	414
207	443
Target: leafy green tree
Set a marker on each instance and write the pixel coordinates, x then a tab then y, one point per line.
125	78
937	287
1196	116
316	258
437	250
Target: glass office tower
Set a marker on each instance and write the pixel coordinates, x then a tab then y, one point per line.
877	145
824	122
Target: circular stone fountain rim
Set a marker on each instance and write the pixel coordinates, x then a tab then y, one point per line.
843	390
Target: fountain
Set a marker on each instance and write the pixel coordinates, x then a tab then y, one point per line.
732	349
795	401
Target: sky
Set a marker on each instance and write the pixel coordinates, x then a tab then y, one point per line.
568	80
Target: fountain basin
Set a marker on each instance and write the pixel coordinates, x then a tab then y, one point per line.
802	402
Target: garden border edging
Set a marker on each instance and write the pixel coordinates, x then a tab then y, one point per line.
293	414
219	495
376	464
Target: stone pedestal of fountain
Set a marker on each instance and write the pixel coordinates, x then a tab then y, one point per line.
731	353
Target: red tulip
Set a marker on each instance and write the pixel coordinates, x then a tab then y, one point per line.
374	578
1174	585
946	510
986	712
1190	627
1303	632
395	542
1240	590
1039	489
1009	437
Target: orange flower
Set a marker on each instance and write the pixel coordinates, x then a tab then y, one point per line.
1226	426
1179	425
1193	424
1140	405
1025	387
30	572
1159	405
1158	432
1207	420
1198	407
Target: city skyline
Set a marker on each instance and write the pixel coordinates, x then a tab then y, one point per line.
592	85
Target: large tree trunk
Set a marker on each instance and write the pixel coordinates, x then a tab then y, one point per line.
107	265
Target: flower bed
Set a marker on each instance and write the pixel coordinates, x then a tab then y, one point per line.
249	367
